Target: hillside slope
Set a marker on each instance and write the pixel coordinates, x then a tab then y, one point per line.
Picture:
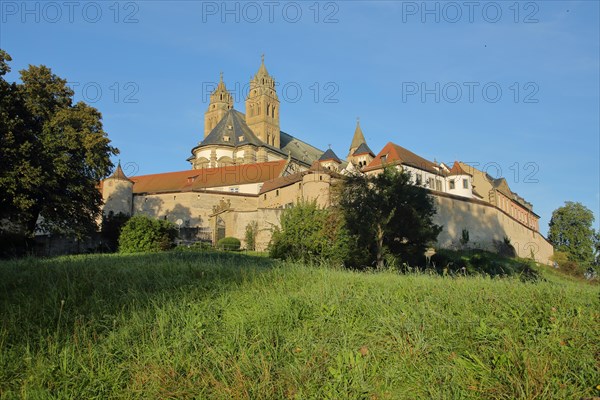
216	325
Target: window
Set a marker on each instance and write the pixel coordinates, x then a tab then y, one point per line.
240	138
384	158
430	183
234	189
438	185
419	179
452	185
300	186
265	196
465	183
277	192
226	138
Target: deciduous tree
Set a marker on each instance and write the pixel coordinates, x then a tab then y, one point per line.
571	232
52	154
386	213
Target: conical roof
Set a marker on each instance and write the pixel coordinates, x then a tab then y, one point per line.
119	174
330	155
358	137
262	70
221	94
363	149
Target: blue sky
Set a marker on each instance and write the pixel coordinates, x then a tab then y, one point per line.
512	87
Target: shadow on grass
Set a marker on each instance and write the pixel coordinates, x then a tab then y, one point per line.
473	262
42	297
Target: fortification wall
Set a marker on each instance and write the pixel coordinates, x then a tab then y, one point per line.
487	226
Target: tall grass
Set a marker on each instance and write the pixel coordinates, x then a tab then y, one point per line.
217	325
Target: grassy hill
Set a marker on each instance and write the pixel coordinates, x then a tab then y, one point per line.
218	325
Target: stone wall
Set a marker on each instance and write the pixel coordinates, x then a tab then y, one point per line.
487	226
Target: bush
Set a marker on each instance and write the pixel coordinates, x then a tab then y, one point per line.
310	233
229	243
145	234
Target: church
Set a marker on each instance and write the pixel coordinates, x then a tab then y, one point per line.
246	170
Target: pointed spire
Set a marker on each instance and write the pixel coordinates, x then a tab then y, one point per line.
119	174
262	70
221	94
358	137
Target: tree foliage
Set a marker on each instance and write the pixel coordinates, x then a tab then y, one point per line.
112	224
387	214
53	153
145	234
250	235
571	232
310	233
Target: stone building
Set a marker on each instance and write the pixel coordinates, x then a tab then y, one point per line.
245	170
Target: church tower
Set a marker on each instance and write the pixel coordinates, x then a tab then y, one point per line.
262	107
360	154
221	101
357	139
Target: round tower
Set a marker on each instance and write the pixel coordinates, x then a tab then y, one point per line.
117	193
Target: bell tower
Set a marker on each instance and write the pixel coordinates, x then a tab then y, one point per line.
262	107
221	101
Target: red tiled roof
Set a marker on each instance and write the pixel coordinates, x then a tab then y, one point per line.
395	154
197	179
457	170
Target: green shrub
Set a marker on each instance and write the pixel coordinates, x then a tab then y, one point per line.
310	233
145	234
251	232
229	243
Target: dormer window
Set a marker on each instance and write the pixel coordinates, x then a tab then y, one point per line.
226	138
384	158
230	127
241	138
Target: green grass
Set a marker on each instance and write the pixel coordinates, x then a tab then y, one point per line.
228	326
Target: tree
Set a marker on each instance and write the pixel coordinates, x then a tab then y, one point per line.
597	248
52	154
145	234
112	224
250	235
387	214
571	232
310	233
